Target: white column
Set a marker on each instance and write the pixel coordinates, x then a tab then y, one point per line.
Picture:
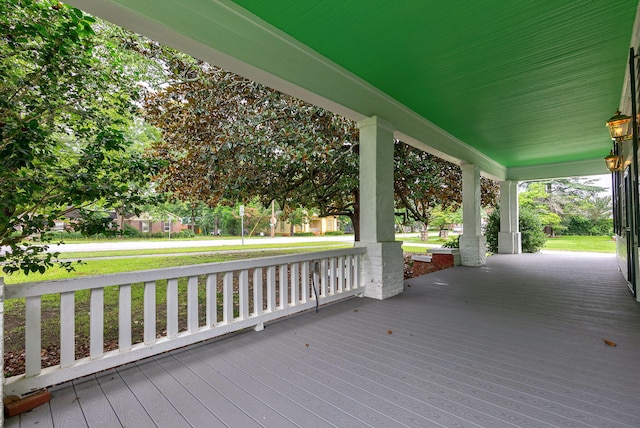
509	237
473	246
381	268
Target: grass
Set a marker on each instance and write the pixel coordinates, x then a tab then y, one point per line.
107	266
215	248
600	244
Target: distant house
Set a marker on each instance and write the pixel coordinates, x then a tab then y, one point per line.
316	225
147	223
68	221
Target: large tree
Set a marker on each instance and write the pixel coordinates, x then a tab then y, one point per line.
423	181
67	104
228	139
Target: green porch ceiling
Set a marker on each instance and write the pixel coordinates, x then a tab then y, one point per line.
511	85
523	82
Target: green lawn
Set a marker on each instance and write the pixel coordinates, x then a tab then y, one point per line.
107	266
217	248
600	244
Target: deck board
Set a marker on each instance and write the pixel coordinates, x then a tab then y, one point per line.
258	390
212	399
95	405
162	412
240	397
193	411
129	410
517	343
65	408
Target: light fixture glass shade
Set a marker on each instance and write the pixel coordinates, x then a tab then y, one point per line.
614	162
620	127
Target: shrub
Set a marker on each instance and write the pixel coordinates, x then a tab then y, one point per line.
64	235
452	242
579	225
131	232
184	233
531	228
304	234
334	232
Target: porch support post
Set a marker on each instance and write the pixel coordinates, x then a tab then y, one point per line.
473	246
509	237
381	268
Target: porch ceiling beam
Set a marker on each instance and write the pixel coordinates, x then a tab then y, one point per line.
558	170
226	35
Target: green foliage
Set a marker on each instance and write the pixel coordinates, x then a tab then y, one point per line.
442	218
275	148
530	225
131	232
305	234
563	205
92	223
334	233
66	107
580	225
452	242
423	182
532	230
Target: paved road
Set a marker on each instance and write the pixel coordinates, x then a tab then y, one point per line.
143	245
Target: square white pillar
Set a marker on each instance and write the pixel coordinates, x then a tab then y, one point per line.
382	267
473	246
509	237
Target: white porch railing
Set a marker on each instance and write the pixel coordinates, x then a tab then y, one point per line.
249	293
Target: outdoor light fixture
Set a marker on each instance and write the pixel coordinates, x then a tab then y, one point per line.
614	162
620	127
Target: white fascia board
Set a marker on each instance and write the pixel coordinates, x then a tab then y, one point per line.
222	33
558	170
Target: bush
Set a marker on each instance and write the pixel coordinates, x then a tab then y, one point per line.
531	228
579	225
184	233
131	232
452	242
304	234
334	233
64	235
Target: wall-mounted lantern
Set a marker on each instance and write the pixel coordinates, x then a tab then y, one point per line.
620	127
614	162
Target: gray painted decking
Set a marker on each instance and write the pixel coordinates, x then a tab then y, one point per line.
515	343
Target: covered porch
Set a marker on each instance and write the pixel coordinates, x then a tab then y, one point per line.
518	342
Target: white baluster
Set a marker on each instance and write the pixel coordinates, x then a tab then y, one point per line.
149	312
124	317
172	308
192	304
212	300
96	323
67	328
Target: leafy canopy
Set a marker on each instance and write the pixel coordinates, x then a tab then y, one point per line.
66	106
227	139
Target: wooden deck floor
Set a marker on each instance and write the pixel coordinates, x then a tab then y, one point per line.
516	343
